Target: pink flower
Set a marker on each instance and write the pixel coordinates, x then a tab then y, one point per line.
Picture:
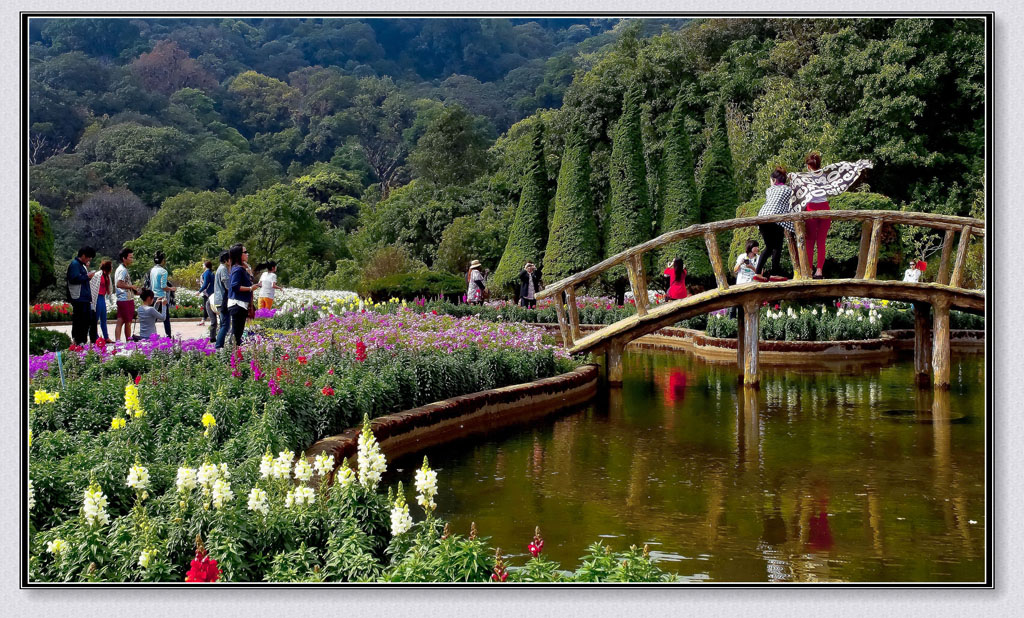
327	391
274	390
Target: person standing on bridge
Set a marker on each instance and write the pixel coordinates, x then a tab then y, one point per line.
776	202
676	273
811	190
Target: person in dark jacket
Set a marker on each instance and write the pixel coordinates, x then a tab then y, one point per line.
80	295
239	290
529	285
206	290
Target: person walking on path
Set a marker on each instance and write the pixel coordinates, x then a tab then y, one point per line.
206	289
676	273
811	190
529	285
777	198
268	283
239	290
161	287
746	262
475	280
80	295
101	288
219	303
151	311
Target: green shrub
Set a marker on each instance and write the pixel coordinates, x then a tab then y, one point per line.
410	286
41	340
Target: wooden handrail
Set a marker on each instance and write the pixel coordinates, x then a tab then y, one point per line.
975	227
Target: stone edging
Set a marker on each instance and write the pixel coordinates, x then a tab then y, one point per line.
436	423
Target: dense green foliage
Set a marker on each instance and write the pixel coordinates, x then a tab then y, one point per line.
40	255
573	244
41	340
528	237
629	214
352	113
678	205
408	286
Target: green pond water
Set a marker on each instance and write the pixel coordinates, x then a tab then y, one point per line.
829	474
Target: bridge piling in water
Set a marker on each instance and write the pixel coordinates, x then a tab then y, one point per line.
749	361
922	343
940	344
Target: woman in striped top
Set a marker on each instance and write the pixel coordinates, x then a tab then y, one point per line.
776	202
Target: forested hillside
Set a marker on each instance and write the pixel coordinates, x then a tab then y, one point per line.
350	150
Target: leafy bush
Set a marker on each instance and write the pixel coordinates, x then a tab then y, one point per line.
42	340
409	286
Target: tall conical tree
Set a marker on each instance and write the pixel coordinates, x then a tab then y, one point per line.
629	218
528	235
573	242
679	207
718	197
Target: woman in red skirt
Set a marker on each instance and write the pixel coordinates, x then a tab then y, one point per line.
676	273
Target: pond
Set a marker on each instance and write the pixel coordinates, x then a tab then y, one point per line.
831	474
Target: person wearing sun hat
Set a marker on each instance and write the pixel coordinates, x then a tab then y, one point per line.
475	281
913	274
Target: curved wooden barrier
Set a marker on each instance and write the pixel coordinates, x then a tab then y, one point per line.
935	297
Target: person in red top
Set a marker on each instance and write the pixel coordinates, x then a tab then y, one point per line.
676	273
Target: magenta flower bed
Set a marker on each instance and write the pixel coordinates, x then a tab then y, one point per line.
156	343
410	329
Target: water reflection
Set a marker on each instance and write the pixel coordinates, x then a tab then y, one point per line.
816	476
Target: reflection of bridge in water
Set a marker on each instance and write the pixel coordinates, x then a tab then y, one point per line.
931	337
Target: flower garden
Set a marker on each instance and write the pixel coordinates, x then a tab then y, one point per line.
164	460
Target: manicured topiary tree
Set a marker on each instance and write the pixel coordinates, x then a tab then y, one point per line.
629	217
528	235
679	198
573	242
718	199
40	250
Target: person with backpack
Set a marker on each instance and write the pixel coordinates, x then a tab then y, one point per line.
206	289
80	294
162	288
219	303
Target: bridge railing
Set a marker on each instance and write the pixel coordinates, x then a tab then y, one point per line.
872	222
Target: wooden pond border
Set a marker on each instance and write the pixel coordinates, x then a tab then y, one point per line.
436	423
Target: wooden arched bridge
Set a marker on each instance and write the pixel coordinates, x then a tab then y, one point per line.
931	340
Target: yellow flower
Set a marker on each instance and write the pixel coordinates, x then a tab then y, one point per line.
44	397
209	420
131	401
117	423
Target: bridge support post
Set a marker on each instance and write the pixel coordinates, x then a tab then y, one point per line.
940	344
922	344
751	375
613	363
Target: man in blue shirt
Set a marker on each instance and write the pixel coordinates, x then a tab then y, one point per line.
158	278
80	295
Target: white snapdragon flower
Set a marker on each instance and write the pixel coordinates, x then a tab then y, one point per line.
138	477
305	495
266	465
345	475
401	520
323	464
303	471
186	480
94	507
223	470
56	547
222	493
258	501
283	465
372	463
208	473
289	500
145	557
426	487
31	495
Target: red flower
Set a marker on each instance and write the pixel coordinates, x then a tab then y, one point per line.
360	351
285	357
278	373
433	311
499	578
309	383
327	391
330	371
838	304
302	360
776	307
138	379
537	545
204	568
